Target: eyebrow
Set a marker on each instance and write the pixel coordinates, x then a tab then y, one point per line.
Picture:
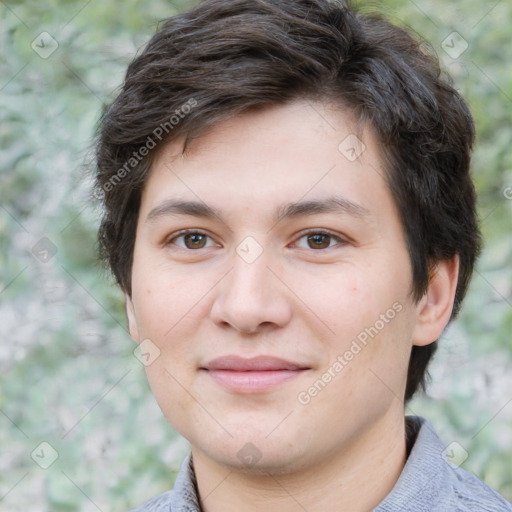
333	204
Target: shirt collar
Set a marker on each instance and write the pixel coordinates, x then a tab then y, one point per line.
184	497
426	473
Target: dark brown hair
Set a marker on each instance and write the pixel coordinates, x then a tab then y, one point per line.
224	57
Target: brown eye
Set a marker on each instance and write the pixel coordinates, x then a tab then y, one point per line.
190	240
319	240
195	240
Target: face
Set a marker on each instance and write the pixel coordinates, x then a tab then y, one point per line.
271	271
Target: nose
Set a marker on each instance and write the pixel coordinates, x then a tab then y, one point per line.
252	298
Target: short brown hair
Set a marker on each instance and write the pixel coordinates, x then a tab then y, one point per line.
224	57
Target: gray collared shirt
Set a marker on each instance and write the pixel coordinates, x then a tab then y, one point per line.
428	483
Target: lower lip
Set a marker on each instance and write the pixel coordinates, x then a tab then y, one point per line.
252	381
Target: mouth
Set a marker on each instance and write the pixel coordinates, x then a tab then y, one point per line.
254	375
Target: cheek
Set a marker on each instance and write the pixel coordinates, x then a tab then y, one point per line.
166	301
367	313
168	385
345	300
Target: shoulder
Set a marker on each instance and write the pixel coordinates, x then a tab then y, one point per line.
464	492
470	494
459	490
430	482
160	503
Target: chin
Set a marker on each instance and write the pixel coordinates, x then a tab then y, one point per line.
257	454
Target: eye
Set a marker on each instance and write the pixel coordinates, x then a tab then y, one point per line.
319	240
190	240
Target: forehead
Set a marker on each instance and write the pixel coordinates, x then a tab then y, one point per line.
268	158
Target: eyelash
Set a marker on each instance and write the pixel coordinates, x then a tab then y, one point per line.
185	232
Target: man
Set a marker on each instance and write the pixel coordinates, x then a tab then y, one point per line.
289	211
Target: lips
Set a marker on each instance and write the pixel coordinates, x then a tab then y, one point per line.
253	375
261	363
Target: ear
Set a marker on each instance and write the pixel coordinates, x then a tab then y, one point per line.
132	320
435	307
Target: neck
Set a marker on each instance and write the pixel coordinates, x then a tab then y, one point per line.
356	478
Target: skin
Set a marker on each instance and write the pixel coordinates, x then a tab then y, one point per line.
304	302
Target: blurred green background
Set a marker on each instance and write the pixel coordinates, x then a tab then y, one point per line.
68	376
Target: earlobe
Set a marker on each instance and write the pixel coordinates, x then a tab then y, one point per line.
435	307
132	319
